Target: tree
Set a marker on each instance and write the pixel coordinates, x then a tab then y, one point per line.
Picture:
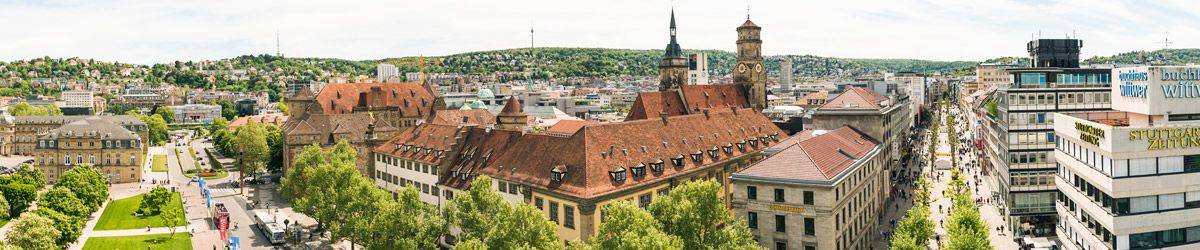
317	179
695	212
167	114
172	219
356	205
29	175
251	139
53	110
630	227
88	183
63	200
4	208
156	125
33	232
69	227
24	109
275	143
19	195
407	223
483	216
228	110
218	124
283	107
154	201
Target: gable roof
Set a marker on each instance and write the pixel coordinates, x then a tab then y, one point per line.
568	127
410	98
821	157
689	99
471	116
856	98
589	154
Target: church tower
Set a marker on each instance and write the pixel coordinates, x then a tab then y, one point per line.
673	70
749	71
512	117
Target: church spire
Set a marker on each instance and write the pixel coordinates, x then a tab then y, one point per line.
673	49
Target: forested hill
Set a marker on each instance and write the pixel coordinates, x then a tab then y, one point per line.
1157	57
566	62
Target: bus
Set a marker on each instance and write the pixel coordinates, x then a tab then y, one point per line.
268	226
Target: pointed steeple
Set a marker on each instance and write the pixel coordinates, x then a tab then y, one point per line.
673	49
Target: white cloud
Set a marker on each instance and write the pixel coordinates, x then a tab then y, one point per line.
163	31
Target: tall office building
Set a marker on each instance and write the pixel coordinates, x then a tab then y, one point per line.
1018	156
385	71
1130	178
785	74
698	68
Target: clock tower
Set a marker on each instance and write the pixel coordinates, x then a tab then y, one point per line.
749	70
673	71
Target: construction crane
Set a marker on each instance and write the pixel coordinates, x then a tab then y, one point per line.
420	66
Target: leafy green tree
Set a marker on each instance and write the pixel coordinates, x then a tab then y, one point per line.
218	124
4	208
316	179
470	244
251	139
695	212
275	143
228	110
154	201
33	232
69	227
407	223
483	216
24	109
88	183
19	196
29	175
172	219
283	107
63	200
167	114
156	125
356	205
630	227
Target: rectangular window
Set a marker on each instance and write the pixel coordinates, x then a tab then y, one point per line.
779	195
554	212
503	186
780	245
644	201
752	192
810	227
569	217
808	197
780	223
752	220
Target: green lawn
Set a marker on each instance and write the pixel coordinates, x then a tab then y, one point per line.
159	164
152	241
220	174
119	214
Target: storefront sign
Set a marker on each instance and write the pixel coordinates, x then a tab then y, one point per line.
1089	134
1167	138
786	209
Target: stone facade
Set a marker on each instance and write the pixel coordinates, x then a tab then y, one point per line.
118	152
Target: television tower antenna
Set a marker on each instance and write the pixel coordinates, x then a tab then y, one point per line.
277	53
1166	42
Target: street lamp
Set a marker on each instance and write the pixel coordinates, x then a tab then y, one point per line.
241	170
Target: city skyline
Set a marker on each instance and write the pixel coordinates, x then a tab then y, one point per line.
933	30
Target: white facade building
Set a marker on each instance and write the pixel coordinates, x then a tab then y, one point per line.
77	99
785	74
1130	178
385	71
698	69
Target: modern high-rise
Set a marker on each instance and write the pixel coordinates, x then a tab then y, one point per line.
1018	157
698	68
385	71
785	74
1130	178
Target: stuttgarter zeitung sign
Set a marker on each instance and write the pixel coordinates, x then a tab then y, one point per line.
1167	138
1180	84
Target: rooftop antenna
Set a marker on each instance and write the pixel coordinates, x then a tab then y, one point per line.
530	87
747	9
277	53
1166	42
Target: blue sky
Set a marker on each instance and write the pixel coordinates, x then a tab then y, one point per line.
164	31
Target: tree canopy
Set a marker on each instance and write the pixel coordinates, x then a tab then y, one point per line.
154	201
696	213
33	232
485	217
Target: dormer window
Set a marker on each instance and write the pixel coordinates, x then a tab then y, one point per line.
617	174
728	148
714	152
677	160
417	150
698	156
558	173
437	154
657	166
763	139
741	145
427	150
639	170
775	136
753	142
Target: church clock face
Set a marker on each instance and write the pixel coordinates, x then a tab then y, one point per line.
758	68
742	68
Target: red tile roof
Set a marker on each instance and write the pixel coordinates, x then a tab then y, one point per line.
856	98
454	117
717	98
568	127
590	153
275	118
819	157
512	107
411	98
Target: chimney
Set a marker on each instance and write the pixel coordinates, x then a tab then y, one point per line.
706	113
663	115
734	109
